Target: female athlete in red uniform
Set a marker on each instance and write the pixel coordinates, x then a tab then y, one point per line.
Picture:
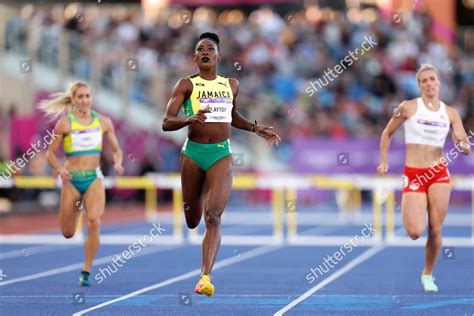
427	122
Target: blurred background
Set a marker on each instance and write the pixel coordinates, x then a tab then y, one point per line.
132	54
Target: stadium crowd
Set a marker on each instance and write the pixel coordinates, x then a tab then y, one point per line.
274	57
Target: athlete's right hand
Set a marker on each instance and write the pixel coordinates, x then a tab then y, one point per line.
382	168
64	174
200	116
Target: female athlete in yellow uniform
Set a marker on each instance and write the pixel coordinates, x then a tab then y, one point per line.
210	108
81	130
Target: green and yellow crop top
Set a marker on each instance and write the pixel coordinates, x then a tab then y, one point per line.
217	94
84	139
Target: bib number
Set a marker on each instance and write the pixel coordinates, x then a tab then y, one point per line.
86	141
220	110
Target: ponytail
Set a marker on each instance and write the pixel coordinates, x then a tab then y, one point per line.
61	102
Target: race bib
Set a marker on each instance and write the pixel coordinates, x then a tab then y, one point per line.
88	139
220	110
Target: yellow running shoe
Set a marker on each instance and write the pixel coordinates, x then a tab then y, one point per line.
204	286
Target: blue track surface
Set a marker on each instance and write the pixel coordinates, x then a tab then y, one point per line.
387	283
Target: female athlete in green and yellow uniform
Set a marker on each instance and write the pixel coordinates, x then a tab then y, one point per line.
209	103
81	130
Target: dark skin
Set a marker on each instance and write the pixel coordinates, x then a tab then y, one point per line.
210	190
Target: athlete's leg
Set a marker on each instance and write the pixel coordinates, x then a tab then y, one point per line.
94	199
69	209
217	190
438	202
414	206
192	179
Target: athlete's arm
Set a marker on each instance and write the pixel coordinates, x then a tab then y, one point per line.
117	155
171	121
238	121
62	128
459	135
399	116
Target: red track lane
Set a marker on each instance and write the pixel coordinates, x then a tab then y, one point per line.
48	222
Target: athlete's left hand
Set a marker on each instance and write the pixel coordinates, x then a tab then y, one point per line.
463	146
266	132
118	168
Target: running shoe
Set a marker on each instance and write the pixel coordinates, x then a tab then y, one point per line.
204	286
428	283
84	279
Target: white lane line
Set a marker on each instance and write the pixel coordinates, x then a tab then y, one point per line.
26	252
68	268
236	295
221	264
349	266
78	265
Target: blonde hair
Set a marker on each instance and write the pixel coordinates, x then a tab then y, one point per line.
60	102
424	67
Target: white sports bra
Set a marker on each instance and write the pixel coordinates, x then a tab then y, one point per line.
427	127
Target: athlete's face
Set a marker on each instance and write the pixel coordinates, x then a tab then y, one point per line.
206	54
82	99
429	83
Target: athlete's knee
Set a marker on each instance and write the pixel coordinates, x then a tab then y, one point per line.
93	224
434	233
192	218
414	233
213	218
192	223
68	233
